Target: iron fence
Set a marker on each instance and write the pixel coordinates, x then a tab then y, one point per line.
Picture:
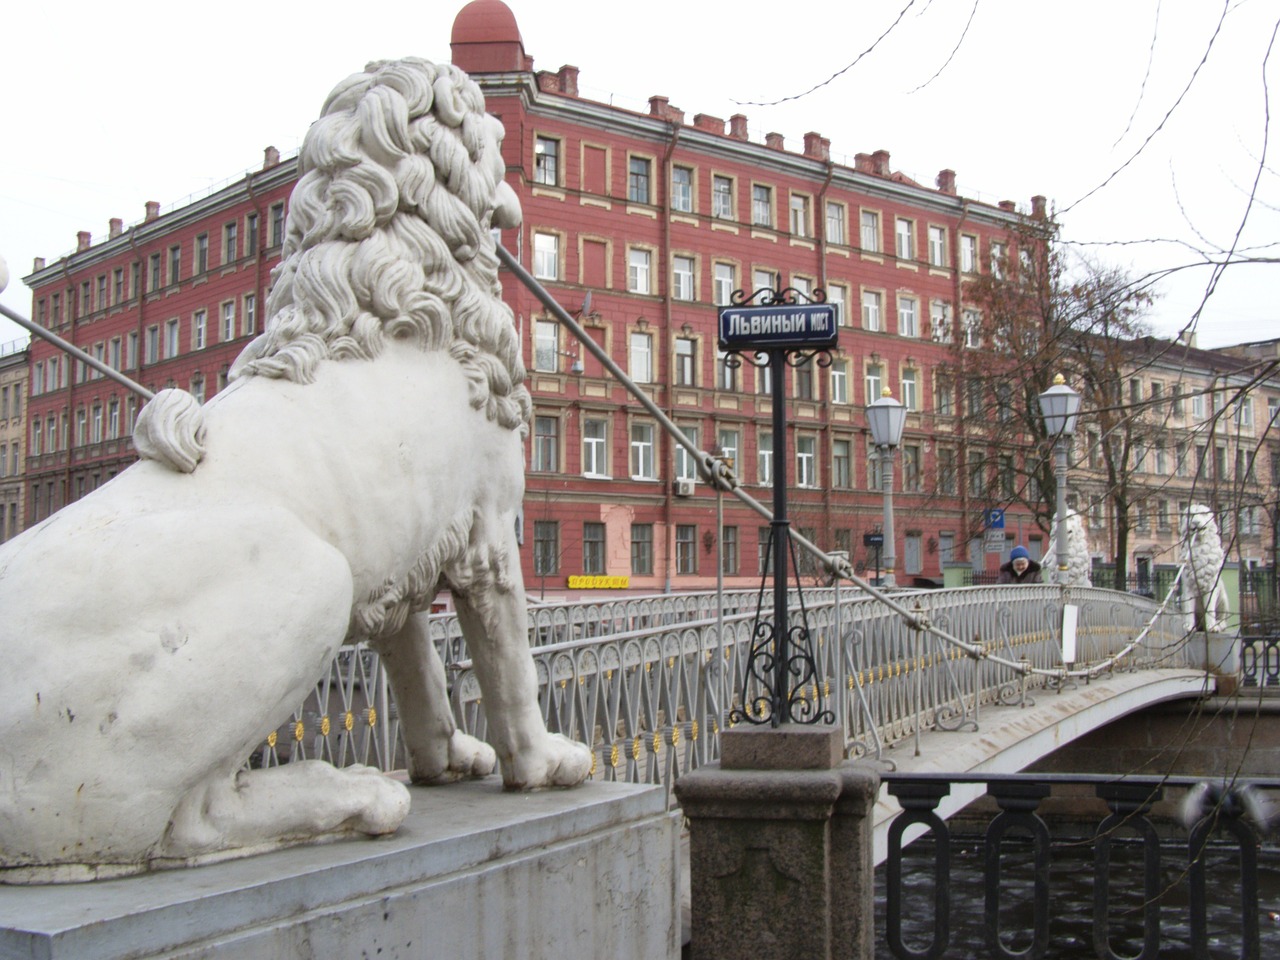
1142	882
650	683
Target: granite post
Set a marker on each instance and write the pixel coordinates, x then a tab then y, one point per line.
780	847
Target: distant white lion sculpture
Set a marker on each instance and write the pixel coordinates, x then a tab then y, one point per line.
367	453
1079	566
1205	557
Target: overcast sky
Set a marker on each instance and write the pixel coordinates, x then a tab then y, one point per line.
108	106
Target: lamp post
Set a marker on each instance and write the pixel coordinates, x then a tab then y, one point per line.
886	418
1060	405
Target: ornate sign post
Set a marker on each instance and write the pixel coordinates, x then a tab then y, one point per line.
774	330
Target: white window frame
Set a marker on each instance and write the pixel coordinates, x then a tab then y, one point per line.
642	463
872	310
908	316
639	270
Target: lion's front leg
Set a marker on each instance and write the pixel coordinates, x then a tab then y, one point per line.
489	594
438	751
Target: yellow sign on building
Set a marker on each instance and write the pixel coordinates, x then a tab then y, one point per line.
584	582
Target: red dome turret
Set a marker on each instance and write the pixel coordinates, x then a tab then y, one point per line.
486	39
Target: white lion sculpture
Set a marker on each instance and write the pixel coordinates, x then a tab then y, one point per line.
1079	567
1203	549
367	453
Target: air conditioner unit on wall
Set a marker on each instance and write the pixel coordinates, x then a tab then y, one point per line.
684	488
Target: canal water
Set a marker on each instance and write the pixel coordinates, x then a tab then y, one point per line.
1071	901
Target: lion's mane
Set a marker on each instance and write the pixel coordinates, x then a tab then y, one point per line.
389	235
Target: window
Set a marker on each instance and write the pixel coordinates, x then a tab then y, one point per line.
113	356
764	380
154	280
874	478
874	382
973	399
638	174
546	547
642	461
838	298
642	358
642	549
871	310
638	262
940	321
199	330
840	381
682	189
1244	412
250	314
277	224
171	339
804	286
841	464
972	329
763	279
202	253
686	548
546	445
153	344
937	247
34	446
870	231
546	160
835	223
682	278
908	317
968	254
82	421
1197	406
1007	475
722	197
546	346
593	547
977	474
946	471
685	367
729	551
764	458
595	448
764	549
96	429
761	205
1135	390
1004	402
806	462
686	465
725	281
728	441
799	208
546	256
251	238
113	422
905	233
910	389
102	292
911	479
229	241
228	321
118	286
999	253
175	265
726	374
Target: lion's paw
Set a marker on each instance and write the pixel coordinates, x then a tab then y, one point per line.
467	758
382	803
553	761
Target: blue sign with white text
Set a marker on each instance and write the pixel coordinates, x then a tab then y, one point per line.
779	325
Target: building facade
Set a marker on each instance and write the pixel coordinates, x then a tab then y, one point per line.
13	395
660	220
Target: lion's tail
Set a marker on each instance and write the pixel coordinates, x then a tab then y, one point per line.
170	430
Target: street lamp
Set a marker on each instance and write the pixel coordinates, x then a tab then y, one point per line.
886	418
1060	405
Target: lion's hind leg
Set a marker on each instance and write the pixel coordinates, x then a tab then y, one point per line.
250	811
438	751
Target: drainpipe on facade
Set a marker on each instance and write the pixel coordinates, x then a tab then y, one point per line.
665	333
820	228
958	394
71	390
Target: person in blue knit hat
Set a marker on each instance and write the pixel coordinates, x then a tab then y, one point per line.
1020	568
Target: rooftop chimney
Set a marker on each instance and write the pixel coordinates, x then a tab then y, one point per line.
115	226
738	126
83	238
153	211
817	146
947	182
704	121
37	264
862	163
1037	207
880	163
1008	206
773	141
569	80
270	158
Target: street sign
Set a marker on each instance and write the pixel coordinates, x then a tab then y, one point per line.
994	518
994	540
780	325
873	539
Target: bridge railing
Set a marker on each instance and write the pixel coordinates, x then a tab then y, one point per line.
650	686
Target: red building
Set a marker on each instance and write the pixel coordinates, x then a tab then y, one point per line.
659	219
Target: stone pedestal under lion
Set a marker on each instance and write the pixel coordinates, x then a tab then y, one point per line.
367	453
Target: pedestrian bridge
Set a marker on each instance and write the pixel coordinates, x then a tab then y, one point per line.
961	680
